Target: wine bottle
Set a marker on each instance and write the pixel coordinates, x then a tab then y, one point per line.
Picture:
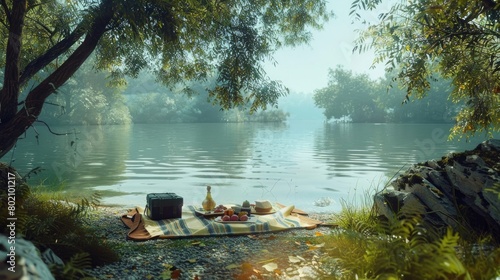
209	203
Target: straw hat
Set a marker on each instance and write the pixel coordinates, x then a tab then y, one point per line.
263	206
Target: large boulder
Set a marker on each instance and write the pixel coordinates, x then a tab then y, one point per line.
20	259
462	190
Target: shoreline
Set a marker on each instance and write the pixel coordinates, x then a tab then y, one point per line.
285	253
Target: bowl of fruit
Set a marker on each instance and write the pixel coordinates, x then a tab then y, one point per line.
229	216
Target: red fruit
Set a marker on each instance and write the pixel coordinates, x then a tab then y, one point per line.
234	217
244	218
226	218
229	212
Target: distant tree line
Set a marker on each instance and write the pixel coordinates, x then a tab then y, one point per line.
88	99
357	98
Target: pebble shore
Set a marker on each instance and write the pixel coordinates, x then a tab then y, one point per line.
280	255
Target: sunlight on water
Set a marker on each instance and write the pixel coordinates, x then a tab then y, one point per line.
309	164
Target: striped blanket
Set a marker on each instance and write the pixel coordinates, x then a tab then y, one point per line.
193	224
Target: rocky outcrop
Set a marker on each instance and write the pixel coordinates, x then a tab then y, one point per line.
462	190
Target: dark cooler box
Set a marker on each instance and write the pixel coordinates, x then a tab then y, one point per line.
164	206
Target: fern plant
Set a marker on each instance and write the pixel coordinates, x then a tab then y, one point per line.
61	225
405	248
74	268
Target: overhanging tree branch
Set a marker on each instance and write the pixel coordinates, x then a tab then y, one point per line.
29	113
178	40
40	62
36	97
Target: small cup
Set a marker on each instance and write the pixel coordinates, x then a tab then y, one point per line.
237	209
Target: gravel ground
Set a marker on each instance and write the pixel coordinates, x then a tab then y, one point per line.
225	257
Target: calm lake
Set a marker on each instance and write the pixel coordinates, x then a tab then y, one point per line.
309	164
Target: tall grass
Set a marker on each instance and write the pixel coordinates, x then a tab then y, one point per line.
366	246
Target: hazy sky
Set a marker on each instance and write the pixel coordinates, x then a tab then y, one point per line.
305	68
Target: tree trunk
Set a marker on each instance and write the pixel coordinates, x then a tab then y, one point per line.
13	127
10	90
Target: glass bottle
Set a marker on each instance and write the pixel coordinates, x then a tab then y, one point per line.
209	203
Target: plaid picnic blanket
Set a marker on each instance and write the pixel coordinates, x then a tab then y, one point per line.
193	224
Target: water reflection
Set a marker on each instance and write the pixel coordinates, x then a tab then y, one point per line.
360	149
199	151
357	150
79	159
301	163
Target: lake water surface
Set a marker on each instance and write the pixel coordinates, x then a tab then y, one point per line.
309	164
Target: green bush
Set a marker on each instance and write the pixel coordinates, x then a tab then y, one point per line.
63	227
50	221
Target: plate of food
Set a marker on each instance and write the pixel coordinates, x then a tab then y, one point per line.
235	219
217	211
208	214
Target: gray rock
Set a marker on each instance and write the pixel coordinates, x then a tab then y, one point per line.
462	188
388	203
489	145
434	199
413	205
21	260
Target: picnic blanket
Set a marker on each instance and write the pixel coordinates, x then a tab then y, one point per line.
192	224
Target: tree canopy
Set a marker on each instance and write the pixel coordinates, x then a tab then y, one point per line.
46	41
357	98
349	95
456	39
